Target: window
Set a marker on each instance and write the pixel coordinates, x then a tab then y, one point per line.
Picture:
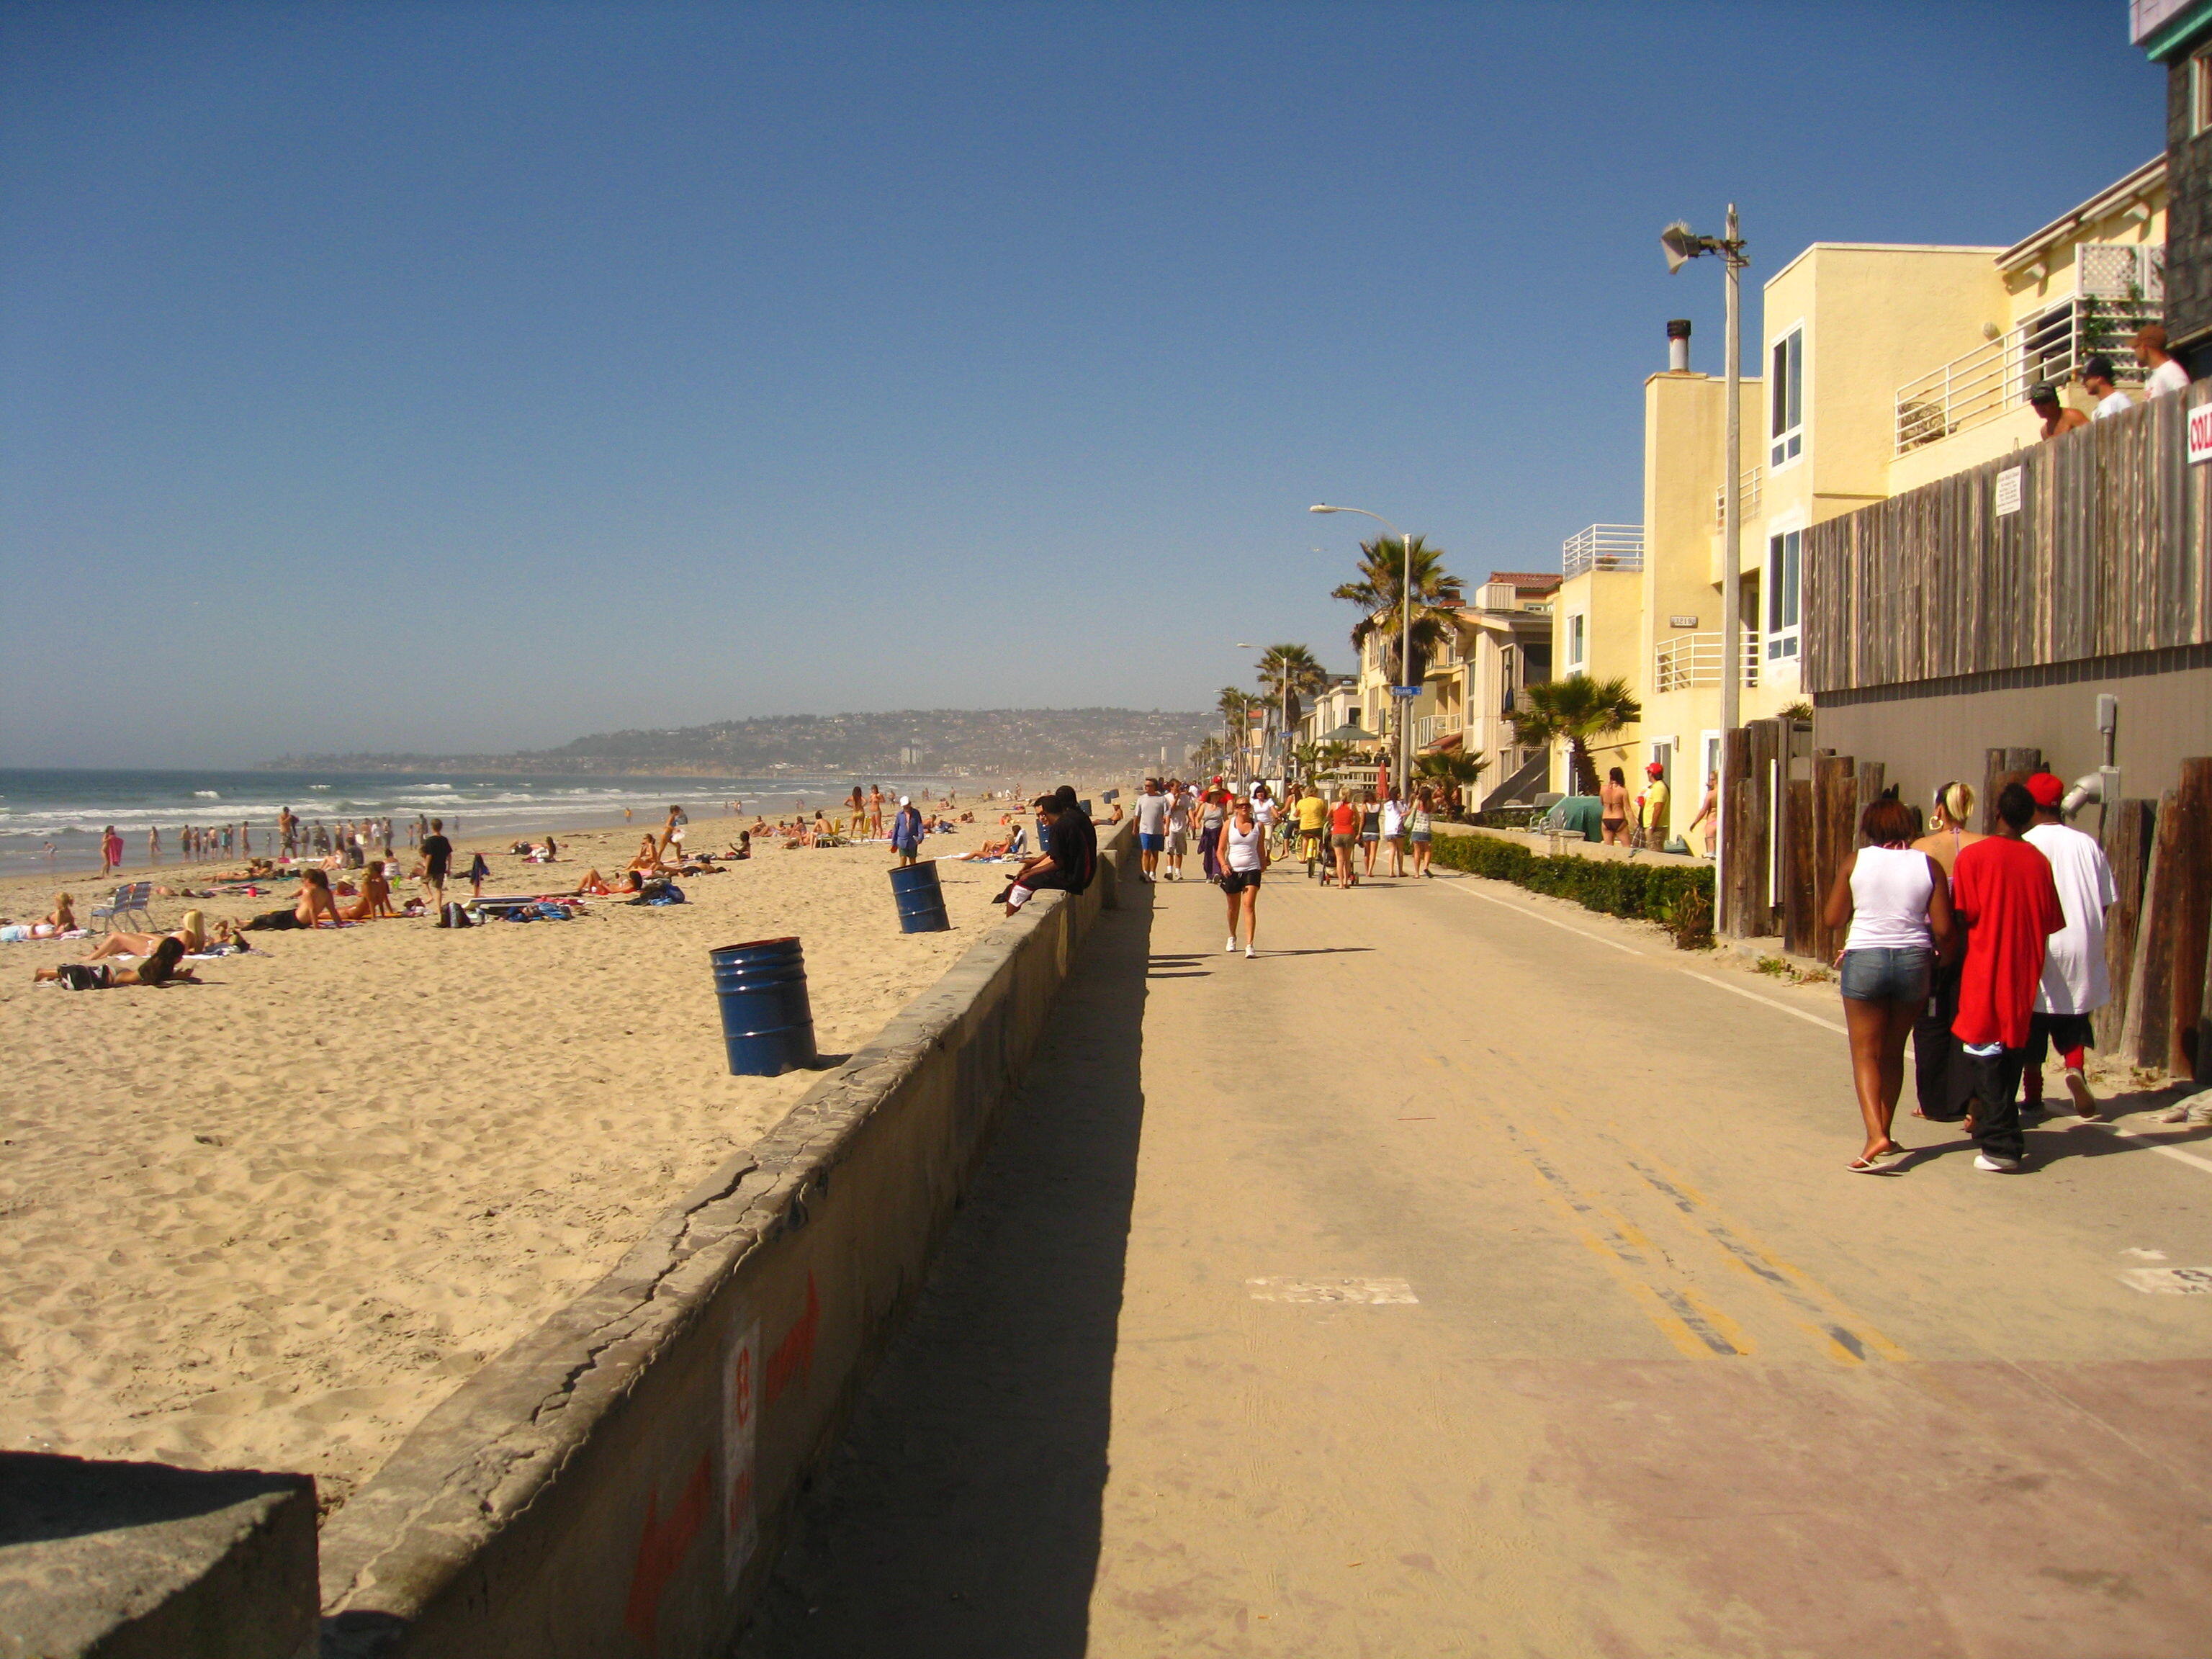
1787	428
2200	94
1577	640
1784	554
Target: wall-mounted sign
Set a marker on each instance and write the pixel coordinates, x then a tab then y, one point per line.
2200	433
1681	622
2007	491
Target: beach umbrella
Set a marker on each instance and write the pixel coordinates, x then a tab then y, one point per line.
1350	732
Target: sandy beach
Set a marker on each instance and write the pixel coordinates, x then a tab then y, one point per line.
271	1220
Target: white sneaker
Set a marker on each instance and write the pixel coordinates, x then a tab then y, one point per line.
1231	946
1249	952
1995	1165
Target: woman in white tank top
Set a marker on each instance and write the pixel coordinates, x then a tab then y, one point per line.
1898	905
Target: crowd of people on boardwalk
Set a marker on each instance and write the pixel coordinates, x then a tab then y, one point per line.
1987	950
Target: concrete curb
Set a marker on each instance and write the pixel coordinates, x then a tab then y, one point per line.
617	1482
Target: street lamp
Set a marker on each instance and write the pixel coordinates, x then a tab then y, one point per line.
1403	696
1681	245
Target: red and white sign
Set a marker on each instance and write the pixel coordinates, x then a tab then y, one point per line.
2200	433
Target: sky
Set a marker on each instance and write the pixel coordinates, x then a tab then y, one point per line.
470	377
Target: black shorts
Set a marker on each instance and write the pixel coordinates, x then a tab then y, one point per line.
2063	1032
277	922
1238	881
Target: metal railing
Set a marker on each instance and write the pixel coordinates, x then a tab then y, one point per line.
2052	346
1687	660
1602	547
1749	485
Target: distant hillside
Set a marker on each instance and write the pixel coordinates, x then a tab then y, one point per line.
981	741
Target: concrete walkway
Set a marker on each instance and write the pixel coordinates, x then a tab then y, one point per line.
1472	1275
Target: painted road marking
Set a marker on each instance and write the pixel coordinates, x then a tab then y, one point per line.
1802	1013
1549	921
1372	1291
2153	1143
2170	1281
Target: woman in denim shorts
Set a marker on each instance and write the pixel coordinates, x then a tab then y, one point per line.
1898	905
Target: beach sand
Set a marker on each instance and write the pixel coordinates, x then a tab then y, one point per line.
271	1220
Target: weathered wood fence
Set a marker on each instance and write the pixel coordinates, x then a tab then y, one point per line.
2092	544
1791	817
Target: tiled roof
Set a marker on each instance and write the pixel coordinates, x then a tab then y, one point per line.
1542	580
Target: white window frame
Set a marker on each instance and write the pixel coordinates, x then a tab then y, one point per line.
1782	642
1578	640
1786	448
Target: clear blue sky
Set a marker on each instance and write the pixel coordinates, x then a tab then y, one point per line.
473	376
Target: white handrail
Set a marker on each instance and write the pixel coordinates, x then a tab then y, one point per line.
2050	346
1686	661
1602	547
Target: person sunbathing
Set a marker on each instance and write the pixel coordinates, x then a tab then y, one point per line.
191	933
315	907
256	870
594	886
160	968
62	919
375	900
649	855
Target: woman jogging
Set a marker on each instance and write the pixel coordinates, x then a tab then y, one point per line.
1898	905
1244	853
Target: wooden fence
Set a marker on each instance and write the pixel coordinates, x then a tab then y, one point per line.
1791	818
2105	552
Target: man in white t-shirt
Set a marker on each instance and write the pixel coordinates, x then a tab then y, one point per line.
2074	984
2166	374
1152	828
2097	381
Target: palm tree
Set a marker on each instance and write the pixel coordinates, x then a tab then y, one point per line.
1287	674
1380	594
1205	757
1579	709
1235	705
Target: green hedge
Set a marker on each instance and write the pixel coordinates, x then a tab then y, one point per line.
1619	887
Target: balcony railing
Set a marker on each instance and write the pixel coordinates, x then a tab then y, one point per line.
1602	547
1749	485
1688	660
1429	727
1973	390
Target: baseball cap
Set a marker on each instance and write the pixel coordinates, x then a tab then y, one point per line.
1653	769
905	800
2047	789
2043	392
2099	367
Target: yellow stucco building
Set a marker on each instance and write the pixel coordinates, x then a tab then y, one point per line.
1871	369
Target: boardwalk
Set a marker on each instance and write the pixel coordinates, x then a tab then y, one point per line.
1474	1277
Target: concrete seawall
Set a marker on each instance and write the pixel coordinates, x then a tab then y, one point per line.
618	1482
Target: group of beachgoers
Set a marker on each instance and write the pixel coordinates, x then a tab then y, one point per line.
1988	951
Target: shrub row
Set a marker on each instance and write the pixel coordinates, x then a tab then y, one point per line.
1619	887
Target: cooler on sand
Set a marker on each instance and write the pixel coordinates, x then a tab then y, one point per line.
768	1022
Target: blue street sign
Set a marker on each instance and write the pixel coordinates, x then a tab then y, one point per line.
1405	691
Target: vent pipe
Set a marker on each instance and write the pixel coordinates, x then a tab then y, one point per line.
1678	345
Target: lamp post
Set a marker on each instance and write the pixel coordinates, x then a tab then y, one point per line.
1682	245
1284	711
1404	642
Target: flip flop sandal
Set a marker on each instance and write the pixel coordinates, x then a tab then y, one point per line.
1864	1166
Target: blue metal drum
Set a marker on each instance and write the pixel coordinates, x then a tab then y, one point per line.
921	899
768	1022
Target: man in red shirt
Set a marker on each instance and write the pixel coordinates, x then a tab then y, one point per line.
2001	890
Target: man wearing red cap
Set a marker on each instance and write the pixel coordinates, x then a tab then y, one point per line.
1651	811
2074	984
2001	890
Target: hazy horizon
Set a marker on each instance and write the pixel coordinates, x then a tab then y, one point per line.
404	378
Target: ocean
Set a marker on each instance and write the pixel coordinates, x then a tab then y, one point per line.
52	820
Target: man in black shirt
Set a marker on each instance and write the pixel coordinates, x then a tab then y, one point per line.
1070	858
437	859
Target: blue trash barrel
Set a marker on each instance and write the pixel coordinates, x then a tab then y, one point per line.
768	1022
921	899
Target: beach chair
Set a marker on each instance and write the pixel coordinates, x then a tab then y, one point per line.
130	900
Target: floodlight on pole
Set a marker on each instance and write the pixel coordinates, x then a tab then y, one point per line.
1681	245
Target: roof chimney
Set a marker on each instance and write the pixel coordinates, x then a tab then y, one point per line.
1678	345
